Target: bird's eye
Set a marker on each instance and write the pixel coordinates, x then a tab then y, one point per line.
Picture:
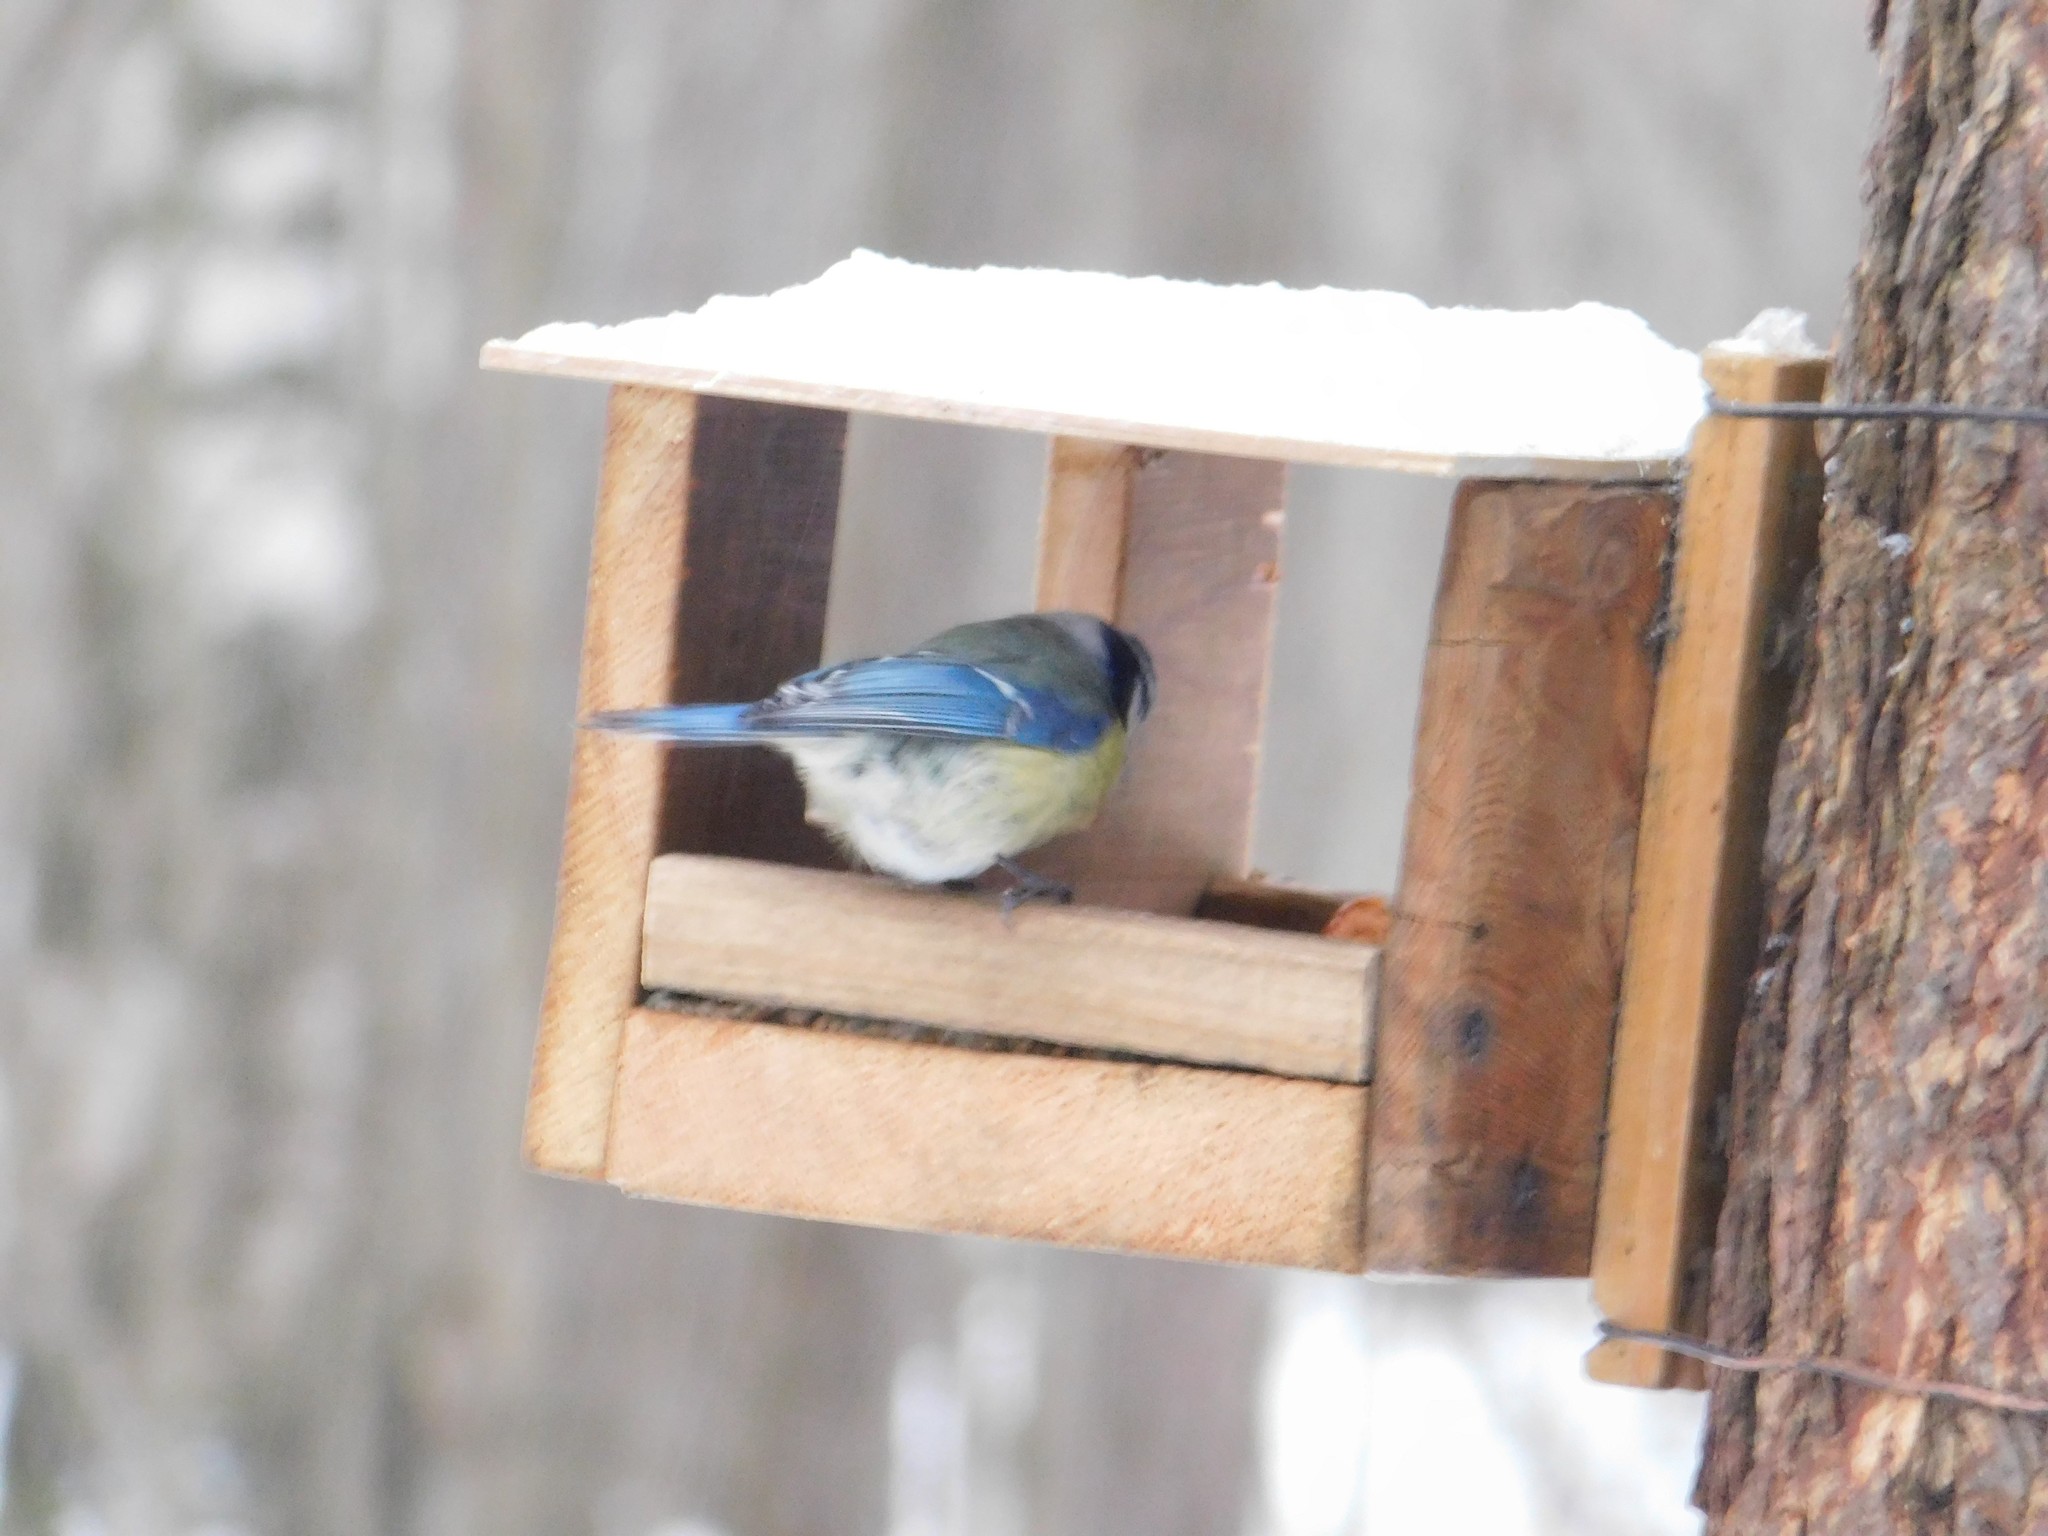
1135	663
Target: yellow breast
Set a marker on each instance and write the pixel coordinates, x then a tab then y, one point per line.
1050	793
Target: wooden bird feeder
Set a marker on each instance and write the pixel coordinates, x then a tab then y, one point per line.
1182	1063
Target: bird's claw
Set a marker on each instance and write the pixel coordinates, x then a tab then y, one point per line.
1027	885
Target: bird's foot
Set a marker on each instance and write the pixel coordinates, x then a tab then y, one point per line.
1029	886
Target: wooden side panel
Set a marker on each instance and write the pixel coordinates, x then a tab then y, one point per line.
1171	988
764	507
1196	1164
1504	962
1183	549
629	639
1746	543
713	535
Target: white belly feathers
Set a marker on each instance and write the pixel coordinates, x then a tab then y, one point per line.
931	810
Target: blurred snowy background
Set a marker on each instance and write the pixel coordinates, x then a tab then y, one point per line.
289	606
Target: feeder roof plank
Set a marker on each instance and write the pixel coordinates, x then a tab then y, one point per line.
1324	376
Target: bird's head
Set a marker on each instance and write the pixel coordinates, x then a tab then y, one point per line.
1125	663
1131	678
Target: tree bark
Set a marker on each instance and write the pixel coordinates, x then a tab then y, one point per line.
1888	1196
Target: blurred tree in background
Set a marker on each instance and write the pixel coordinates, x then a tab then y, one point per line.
289	606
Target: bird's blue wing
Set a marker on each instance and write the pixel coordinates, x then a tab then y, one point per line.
925	695
914	695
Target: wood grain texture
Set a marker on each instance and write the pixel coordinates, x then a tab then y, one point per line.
1745	546
1173	989
1151	435
629	640
763	510
1194	575
1504	962
712	545
1181	1161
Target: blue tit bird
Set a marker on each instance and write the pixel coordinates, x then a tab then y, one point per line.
933	766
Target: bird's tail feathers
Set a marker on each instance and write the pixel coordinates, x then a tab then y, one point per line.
705	724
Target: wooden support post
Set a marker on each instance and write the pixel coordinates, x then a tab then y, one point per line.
684	481
1085	525
1184	550
1746	543
1504	961
1193	1163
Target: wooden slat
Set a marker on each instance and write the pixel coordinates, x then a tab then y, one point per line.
1504	962
662	518
1184	550
1174	989
1746	543
1152	1159
629	634
517	357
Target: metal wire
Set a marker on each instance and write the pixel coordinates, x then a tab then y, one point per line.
1826	1365
1882	410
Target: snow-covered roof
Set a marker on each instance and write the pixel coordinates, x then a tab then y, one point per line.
1325	375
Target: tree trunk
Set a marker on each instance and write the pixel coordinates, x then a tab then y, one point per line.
1888	1197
